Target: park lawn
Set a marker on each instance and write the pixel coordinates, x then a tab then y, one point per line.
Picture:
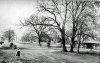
37	54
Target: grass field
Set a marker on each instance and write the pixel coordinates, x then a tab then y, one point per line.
32	53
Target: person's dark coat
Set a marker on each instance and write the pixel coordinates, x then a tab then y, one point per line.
18	53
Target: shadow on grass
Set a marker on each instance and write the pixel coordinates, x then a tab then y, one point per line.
25	61
81	53
5	48
90	53
8	48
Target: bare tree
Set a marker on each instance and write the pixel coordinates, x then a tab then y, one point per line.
28	37
58	14
83	14
58	9
47	38
38	29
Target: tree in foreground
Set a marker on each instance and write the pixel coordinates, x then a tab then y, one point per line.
58	12
83	14
62	11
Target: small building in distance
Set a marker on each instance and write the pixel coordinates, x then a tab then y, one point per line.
91	44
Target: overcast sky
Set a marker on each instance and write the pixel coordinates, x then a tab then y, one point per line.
11	11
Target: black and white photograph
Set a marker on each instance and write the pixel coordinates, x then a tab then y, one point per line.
49	31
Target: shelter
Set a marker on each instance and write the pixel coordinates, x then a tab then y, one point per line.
91	44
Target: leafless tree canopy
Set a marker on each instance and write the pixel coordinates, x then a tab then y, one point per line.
81	15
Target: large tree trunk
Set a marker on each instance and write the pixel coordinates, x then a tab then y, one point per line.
48	43
63	41
39	40
79	41
72	44
78	47
64	47
73	39
73	29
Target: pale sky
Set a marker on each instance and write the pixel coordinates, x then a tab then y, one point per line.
11	11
